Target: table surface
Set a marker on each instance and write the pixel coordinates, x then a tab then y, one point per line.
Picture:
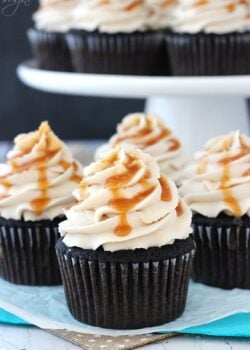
30	338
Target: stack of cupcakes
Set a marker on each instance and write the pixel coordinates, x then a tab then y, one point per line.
115	37
143	37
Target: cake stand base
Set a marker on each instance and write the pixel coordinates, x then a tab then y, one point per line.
196	119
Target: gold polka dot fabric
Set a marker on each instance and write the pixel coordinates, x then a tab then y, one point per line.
99	342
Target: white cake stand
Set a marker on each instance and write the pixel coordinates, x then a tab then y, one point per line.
197	108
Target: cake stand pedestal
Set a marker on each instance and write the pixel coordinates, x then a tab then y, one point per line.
197	108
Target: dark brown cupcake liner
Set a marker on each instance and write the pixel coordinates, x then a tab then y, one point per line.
208	54
126	289
222	251
138	53
27	252
50	50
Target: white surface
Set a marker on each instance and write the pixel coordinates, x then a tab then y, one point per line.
27	338
131	86
197	119
46	307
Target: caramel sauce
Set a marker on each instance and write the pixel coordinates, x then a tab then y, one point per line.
201	3
227	192
4	182
65	165
123	229
247	172
166	194
133	5
166	3
123	179
174	145
179	209
163	134
146	130
124	205
75	178
202	167
232	202
39	204
231	7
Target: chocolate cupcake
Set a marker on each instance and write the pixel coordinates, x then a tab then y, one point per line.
47	38
218	192
35	185
149	133
210	38
119	37
126	254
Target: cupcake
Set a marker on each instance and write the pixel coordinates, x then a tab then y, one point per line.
149	133
218	192
125	254
210	37
35	184
118	37
47	38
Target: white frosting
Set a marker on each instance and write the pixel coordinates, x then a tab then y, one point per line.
211	16
126	16
219	180
55	16
161	12
149	133
121	206
111	16
39	177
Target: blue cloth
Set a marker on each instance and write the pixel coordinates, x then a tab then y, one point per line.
235	326
7	318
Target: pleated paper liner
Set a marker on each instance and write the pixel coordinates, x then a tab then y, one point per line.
223	251
208	54
137	53
126	289
50	50
27	252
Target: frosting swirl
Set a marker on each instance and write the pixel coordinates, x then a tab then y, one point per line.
39	177
149	133
211	16
55	15
219	180
124	16
111	16
125	203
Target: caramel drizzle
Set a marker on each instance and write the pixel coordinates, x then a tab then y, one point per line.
229	198
41	163
124	205
133	5
174	145
146	130
179	209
